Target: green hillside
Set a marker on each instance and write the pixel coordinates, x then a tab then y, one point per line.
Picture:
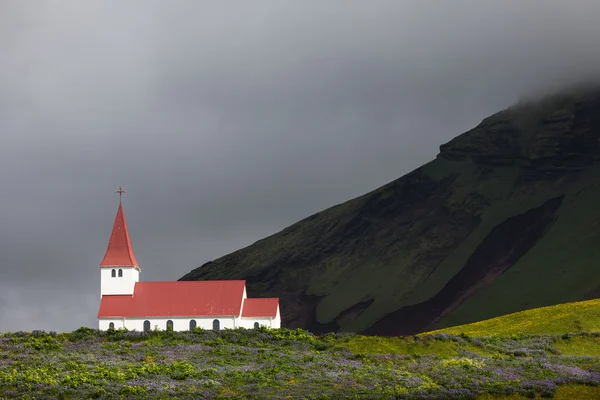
582	316
503	220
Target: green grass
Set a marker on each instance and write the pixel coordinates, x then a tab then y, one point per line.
578	346
571	392
562	318
408	346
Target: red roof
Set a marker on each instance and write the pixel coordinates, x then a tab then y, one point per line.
119	252
176	299
260	307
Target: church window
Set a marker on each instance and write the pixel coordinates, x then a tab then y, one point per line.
146	325
111	325
169	325
113	273
192	324
256	325
216	325
120	273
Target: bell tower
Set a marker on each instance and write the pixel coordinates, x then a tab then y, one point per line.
119	270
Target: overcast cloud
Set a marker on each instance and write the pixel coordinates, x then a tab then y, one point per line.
228	121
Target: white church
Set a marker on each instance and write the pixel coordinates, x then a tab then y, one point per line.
125	302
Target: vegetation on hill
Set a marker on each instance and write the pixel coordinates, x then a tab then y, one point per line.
277	364
506	218
562	318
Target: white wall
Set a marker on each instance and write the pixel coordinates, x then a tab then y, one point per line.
179	324
104	323
248	323
276	323
123	285
183	324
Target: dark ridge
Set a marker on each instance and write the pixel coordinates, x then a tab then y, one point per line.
188	276
499	251
547	139
592	294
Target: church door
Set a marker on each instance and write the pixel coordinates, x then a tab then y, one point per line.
256	325
169	325
216	325
146	325
111	325
192	324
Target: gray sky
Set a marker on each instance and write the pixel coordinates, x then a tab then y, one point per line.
228	121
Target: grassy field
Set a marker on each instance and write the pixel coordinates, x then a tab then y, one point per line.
294	364
573	392
562	318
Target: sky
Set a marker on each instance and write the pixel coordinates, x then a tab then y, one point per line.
225	122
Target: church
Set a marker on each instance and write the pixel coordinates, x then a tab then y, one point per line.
125	302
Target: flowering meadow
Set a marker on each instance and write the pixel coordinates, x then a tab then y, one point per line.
294	364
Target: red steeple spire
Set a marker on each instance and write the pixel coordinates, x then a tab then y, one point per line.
119	252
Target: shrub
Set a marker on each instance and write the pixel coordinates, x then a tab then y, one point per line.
182	370
83	333
134	391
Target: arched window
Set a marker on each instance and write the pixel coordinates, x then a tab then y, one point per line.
111	325
256	325
169	325
113	273
120	273
216	325
192	324
146	325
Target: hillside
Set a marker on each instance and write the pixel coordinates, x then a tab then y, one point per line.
581	316
284	364
506	218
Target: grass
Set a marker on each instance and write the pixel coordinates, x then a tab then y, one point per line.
573	392
400	345
562	318
578	346
278	364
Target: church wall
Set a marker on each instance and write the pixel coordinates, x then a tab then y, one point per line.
179	324
103	324
248	323
118	285
277	320
183	324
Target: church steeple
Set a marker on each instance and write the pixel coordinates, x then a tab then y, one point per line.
119	252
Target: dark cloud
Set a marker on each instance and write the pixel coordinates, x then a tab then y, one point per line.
226	124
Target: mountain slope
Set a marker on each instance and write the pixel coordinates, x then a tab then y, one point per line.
504	219
580	316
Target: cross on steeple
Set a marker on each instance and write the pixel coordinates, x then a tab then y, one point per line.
121	191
